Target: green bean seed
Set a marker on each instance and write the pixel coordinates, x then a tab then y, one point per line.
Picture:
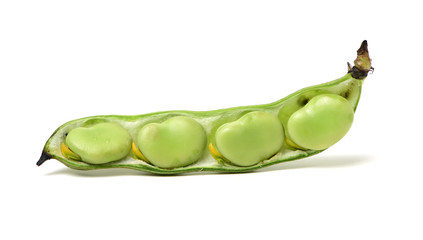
322	122
177	142
99	143
255	137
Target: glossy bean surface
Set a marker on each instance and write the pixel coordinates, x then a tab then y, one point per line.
99	143
177	142
254	137
322	122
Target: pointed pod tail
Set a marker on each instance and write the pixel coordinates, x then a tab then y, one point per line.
44	157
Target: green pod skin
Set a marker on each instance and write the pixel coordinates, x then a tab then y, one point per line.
221	157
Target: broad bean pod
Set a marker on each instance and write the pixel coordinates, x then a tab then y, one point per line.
238	139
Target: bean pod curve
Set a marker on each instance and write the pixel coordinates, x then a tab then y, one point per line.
238	139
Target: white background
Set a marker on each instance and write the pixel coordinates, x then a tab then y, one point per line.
62	60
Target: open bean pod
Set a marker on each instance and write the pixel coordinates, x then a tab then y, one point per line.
236	139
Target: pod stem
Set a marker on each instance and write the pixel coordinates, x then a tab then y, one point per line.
362	64
44	157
